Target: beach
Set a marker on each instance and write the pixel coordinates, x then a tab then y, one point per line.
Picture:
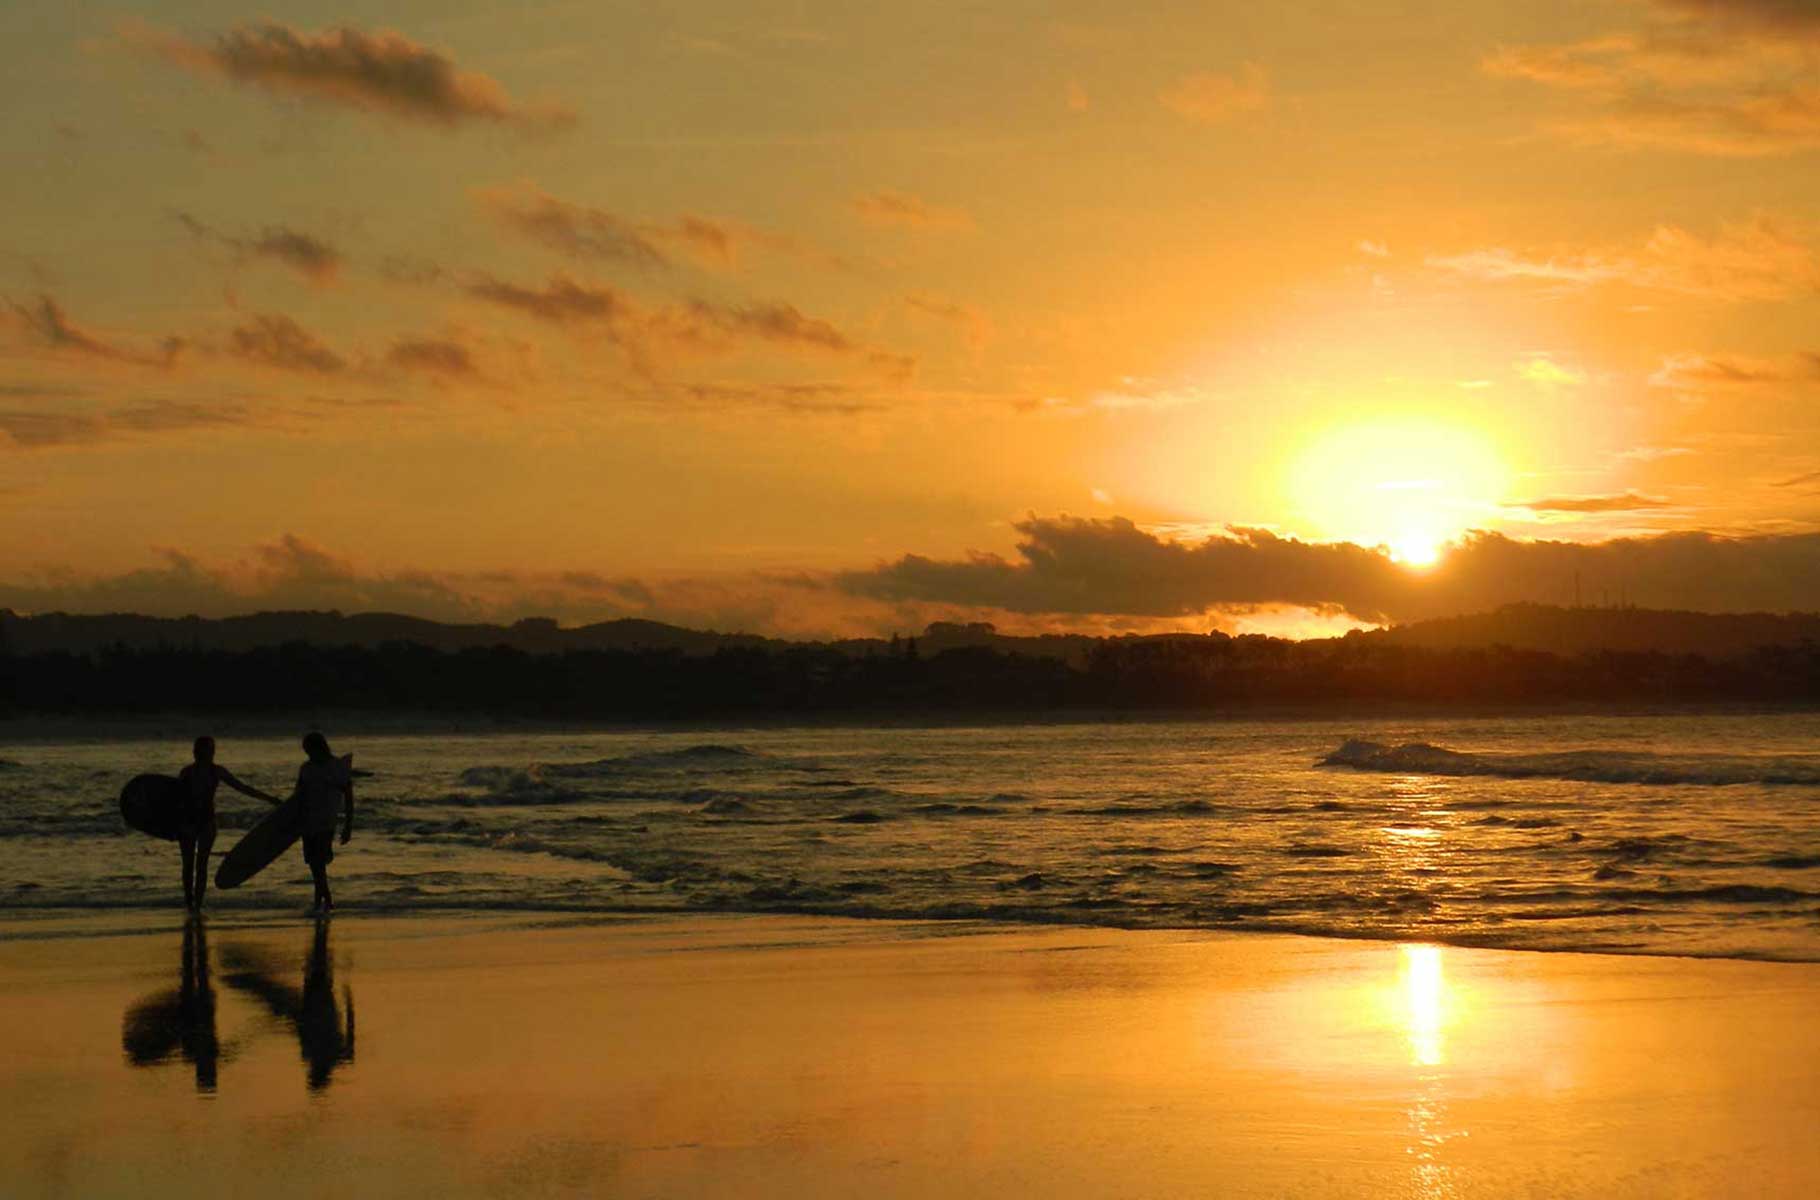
762	1055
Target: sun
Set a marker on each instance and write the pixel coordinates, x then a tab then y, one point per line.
1417	550
1410	486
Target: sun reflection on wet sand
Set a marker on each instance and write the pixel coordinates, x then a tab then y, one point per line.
1427	1011
1425	1003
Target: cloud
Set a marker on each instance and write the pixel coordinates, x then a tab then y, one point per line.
1701	372
1653	453
32	430
309	256
975	326
1795	17
1210	98
585	233
293	573
275	340
1102	576
774	322
574	230
1757	259
691	327
433	356
380	72
812	399
1075	566
1619	502
49	324
561	301
1717	77
1546	373
887	207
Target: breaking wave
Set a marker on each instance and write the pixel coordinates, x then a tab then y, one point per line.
1579	766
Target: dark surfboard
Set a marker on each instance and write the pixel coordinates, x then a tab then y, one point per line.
265	841
153	804
262	844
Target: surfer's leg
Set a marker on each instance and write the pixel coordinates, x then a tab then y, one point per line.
320	873
188	845
205	841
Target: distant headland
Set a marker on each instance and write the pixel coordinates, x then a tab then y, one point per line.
635	670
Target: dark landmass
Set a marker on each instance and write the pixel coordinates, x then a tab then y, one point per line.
639	670
1584	630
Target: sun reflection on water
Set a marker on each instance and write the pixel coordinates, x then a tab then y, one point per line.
1425	1004
1427	1008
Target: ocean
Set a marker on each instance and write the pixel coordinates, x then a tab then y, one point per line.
1659	834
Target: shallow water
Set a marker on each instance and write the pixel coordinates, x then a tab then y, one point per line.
1659	834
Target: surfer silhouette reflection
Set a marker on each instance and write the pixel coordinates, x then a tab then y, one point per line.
324	1036
180	1022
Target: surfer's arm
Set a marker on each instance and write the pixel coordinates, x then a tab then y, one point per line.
347	812
227	777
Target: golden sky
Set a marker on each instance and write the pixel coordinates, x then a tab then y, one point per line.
831	318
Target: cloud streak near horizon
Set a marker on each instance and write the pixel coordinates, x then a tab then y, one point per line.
1069	566
1067	575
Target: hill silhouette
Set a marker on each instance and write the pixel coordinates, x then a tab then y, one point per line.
1553	630
638	670
1632	630
81	633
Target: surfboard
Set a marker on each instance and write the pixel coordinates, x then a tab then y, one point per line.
152	804
265	841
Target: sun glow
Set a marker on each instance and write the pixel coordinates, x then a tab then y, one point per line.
1425	1005
1410	487
1416	550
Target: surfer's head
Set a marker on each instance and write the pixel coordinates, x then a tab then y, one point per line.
315	745
204	749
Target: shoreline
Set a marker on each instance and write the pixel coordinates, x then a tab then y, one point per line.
791	1056
24	923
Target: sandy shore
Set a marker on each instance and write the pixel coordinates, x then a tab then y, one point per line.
753	1056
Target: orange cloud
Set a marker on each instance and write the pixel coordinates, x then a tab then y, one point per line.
1070	566
1210	98
1620	502
570	229
561	301
1700	372
381	72
887	207
694	326
48	323
1719	77
309	256
32	430
1753	260
275	340
434	356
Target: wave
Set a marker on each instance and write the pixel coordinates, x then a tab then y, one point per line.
1580	766
713	755
556	783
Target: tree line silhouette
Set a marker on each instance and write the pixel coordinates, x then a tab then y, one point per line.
1169	672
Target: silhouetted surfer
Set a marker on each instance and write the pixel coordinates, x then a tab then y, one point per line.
196	821
324	783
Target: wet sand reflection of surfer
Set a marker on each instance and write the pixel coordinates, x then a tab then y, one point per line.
178	1022
325	1040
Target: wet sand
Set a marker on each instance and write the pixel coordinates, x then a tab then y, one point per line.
758	1056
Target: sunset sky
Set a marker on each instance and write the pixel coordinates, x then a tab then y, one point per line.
835	318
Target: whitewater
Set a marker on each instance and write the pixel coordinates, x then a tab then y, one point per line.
1670	834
